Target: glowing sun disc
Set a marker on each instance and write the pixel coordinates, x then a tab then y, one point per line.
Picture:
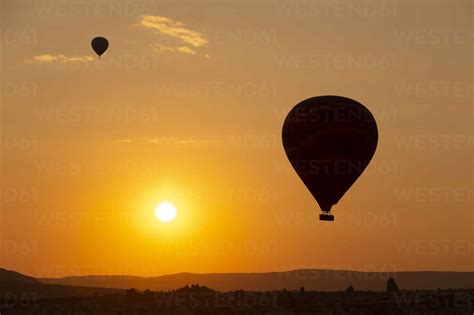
165	211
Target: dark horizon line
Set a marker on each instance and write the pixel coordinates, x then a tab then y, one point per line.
242	273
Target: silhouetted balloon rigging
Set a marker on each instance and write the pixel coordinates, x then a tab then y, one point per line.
100	45
329	141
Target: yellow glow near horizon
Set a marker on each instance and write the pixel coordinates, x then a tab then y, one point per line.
165	212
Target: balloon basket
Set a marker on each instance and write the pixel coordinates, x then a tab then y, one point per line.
326	217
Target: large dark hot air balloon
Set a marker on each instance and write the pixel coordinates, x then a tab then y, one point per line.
100	45
329	141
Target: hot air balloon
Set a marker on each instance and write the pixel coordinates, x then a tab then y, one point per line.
100	45
329	141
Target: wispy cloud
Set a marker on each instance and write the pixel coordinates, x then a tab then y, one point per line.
190	40
47	58
173	28
181	49
123	141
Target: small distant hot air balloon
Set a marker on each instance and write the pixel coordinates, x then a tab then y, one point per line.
329	141
100	45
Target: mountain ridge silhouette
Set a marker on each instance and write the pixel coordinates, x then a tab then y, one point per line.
10	276
311	279
18	296
21	287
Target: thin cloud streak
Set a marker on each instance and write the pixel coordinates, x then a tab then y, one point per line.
49	59
182	49
189	42
173	28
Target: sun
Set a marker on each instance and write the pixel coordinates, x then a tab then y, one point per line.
165	211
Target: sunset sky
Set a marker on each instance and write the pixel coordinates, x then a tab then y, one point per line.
187	105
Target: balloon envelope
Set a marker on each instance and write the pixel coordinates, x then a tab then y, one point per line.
329	141
100	45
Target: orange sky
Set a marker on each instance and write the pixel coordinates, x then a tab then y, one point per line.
187	105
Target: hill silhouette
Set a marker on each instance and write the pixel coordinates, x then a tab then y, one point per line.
311	279
13	277
16	284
